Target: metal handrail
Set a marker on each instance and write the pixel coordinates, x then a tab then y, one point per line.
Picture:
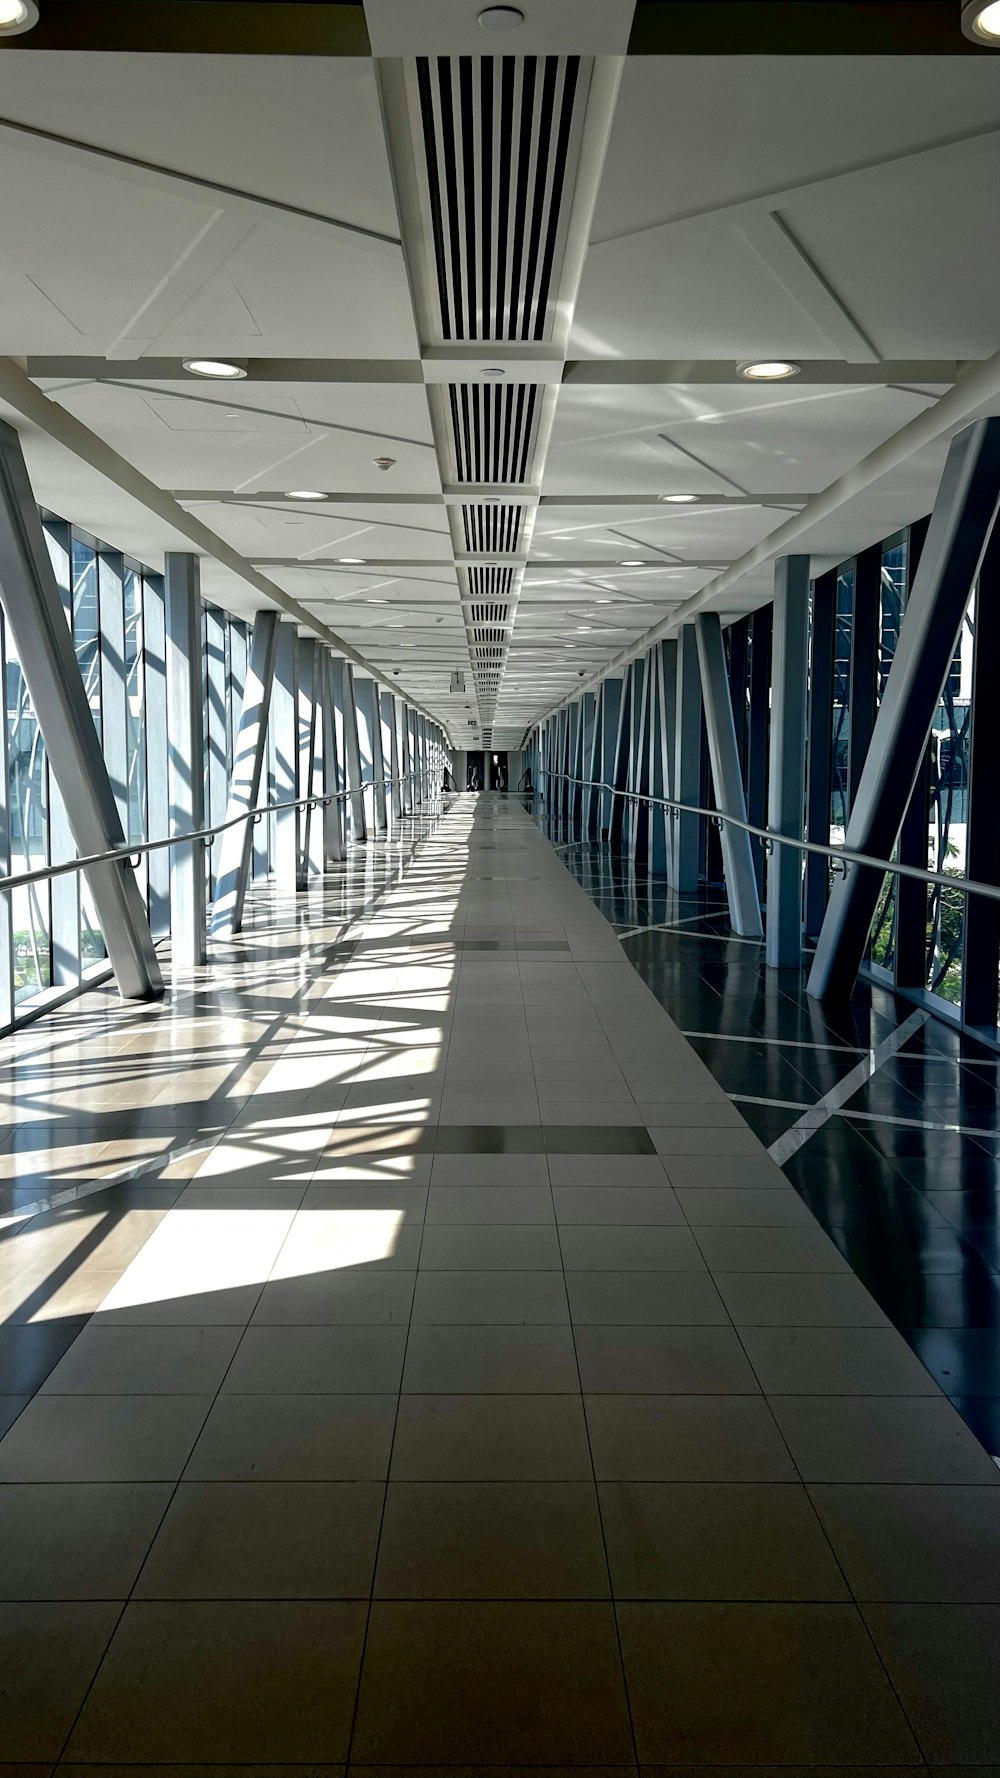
843	854
126	854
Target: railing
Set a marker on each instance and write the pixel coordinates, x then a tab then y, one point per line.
842	855
131	854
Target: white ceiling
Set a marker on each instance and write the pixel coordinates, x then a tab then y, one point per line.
845	211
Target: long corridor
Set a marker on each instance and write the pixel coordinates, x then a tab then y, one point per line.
455	1383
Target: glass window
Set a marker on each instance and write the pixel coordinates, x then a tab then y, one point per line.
28	823
135	710
86	624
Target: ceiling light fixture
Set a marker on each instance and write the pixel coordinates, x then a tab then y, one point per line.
678	499
768	370
223	368
352	561
17	16
501	18
981	21
630	564
304	494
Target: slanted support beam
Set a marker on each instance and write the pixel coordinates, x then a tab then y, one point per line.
185	757
723	752
963	517
34	611
311	767
333	768
249	755
687	762
787	760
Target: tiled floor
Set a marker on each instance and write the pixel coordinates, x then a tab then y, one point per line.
467	1390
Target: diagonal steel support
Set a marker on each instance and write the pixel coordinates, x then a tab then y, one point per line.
737	857
959	531
35	614
244	790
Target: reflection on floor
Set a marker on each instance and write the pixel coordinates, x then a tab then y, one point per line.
457	1384
902	1168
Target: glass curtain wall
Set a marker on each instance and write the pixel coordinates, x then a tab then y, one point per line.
115	610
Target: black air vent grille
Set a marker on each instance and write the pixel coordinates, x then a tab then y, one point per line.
491	530
491	583
489	614
492	430
497	132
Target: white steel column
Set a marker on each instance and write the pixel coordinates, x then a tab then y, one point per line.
786	793
285	729
185	757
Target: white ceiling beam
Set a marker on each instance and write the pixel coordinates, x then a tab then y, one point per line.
576	372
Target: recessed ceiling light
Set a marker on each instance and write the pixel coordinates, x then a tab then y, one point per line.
223	368
678	499
501	18
630	564
352	561
981	21
304	494
17	16
769	370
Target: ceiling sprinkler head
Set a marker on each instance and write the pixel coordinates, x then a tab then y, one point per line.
384	462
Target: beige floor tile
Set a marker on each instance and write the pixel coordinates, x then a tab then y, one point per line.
463	1298
103	1438
317	1361
881	1439
496	1683
716	1540
522	1204
491	1540
770	1250
491	1438
723	1206
493	1247
943	1660
48	1655
83	1540
685	1299
663	1361
913	1543
329	1298
248	1682
789	1299
616	1204
295	1438
835	1361
758	1685
609	1172
266	1540
686	1438
629	1248
490	1360
169	1361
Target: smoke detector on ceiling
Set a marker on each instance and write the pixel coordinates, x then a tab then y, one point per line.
384	462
